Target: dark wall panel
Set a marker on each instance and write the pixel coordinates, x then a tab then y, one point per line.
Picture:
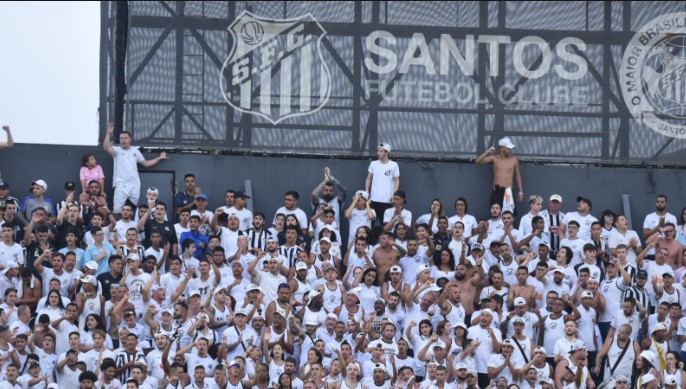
271	176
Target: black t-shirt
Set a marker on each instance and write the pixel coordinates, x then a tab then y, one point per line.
62	234
106	280
165	228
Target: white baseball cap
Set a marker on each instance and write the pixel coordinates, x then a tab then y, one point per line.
519	301
556	197
506	142
386	147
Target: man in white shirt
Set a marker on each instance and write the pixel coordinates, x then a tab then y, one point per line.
582	216
239	209
653	222
291	208
398	213
383	179
126	182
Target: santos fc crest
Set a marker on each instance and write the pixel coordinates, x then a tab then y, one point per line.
275	69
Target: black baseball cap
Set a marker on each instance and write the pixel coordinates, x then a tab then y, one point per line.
642	274
585	200
241	194
69	185
4	185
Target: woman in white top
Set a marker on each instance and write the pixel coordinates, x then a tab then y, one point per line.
369	289
92	323
444	266
418	342
53	306
277	365
436	211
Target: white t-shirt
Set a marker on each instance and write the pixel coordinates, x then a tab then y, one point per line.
468	220
383	180
584	224
244	216
358	218
577	246
126	166
652	220
405	214
299	214
11	254
617	238
485	349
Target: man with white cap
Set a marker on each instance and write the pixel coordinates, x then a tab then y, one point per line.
521	311
269	278
505	167
359	213
383	179
552	217
505	364
658	342
488	344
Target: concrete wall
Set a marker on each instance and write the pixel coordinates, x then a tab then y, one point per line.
272	176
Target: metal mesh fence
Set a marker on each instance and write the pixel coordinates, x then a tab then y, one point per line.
434	79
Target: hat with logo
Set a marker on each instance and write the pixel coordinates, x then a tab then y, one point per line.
556	197
153	190
241	311
642	274
668	273
670	379
386	147
519	301
477	246
252	288
587	293
240	194
69	185
396	269
659	327
506	142
300	266
518	319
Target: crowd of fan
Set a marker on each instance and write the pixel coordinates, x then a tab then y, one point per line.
103	293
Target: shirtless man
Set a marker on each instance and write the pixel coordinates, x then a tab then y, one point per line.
669	243
468	280
387	254
505	165
522	289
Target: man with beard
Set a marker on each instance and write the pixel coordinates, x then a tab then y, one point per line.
449	302
411	261
553	325
325	193
468	279
656	221
488	341
504	364
567	342
395	313
387	254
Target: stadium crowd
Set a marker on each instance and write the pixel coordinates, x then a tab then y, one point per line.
109	293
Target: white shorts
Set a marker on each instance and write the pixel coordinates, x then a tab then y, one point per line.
125	192
508	201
